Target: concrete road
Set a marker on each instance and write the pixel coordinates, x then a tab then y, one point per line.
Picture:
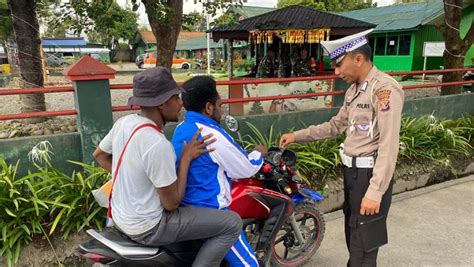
432	226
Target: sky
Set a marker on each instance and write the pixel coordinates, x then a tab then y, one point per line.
263	3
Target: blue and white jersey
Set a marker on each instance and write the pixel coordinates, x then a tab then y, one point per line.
210	175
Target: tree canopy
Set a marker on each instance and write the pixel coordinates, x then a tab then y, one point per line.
227	19
116	23
166	19
103	21
5	20
194	22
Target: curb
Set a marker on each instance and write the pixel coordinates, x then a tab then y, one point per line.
410	194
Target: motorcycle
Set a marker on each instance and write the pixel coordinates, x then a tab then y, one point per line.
280	220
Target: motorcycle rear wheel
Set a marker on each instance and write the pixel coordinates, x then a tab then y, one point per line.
286	250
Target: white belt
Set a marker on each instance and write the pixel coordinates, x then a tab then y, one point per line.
360	162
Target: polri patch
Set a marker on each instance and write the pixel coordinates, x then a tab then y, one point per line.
383	96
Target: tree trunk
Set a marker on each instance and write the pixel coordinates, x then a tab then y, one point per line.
451	62
165	27
26	33
114	48
456	46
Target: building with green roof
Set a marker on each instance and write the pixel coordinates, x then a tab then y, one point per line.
189	44
194	45
402	30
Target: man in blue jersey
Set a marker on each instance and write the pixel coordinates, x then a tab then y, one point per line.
209	177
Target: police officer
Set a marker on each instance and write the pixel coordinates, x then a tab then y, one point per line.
302	67
267	66
371	118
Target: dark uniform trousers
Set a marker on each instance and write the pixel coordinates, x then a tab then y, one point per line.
364	233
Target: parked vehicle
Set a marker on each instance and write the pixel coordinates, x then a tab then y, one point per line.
148	60
139	60
96	57
201	63
292	242
54	61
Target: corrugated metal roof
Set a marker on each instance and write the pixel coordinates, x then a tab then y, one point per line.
76	50
148	37
295	17
398	17
197	42
79	41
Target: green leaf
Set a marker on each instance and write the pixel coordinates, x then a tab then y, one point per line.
56	221
26	229
9	212
41	202
35	203
17	252
91	216
4	232
5	178
56	204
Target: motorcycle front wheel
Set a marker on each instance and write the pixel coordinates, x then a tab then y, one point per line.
286	250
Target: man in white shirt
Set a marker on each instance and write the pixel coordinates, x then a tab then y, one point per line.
148	189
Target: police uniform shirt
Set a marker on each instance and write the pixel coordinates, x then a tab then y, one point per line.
371	118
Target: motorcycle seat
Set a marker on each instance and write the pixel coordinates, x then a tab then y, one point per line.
122	244
120	238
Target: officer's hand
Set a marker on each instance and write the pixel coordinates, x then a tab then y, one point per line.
287	139
262	149
369	207
197	146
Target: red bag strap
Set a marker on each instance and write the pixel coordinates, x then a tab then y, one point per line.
119	162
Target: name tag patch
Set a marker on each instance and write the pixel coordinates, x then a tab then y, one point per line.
363	106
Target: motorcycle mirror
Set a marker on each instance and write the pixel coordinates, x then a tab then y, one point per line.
289	158
296	179
231	123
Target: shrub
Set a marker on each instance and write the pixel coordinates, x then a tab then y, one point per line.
46	200
420	138
429	138
24	210
244	65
